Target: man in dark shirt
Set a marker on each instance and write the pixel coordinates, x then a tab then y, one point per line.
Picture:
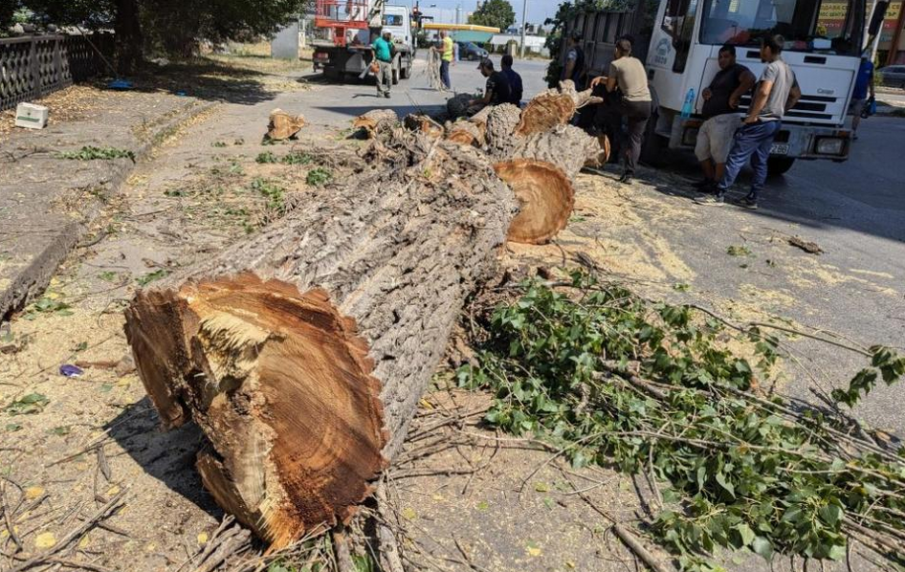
720	119
496	90
515	80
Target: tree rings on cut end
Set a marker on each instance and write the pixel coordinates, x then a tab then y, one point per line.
545	112
282	387
545	197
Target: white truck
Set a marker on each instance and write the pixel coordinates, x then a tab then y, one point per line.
824	40
344	31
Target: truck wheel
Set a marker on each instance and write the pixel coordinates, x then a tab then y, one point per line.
395	74
776	166
406	71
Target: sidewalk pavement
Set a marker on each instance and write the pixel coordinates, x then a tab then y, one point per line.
47	202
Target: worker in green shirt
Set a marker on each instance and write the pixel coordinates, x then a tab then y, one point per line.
383	54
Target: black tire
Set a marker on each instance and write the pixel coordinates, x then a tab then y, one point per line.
777	166
406	71
395	75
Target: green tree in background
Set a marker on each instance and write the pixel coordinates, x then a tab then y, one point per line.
171	27
494	13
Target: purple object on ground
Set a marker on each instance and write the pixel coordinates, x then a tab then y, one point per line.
70	370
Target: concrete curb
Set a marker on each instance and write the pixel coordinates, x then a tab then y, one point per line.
33	279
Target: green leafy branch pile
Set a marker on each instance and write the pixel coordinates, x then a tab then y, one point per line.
92	153
615	380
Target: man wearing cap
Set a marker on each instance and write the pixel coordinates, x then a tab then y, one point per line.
497	89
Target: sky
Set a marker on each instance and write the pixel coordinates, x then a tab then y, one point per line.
538	10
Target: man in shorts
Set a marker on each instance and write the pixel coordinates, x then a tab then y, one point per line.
720	119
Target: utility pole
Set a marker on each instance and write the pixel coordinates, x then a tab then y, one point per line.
896	37
524	15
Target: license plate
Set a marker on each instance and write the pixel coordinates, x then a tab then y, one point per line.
779	149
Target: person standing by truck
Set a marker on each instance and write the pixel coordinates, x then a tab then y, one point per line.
574	68
383	55
777	92
628	75
446	57
721	99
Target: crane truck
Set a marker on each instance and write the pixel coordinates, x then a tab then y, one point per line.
680	44
345	29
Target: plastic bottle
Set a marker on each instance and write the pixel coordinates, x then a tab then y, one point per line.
688	106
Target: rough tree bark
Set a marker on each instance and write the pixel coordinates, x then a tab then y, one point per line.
128	36
302	353
565	146
501	123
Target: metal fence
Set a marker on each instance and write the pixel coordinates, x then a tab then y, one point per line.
33	66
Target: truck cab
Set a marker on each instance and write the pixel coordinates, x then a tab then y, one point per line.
823	40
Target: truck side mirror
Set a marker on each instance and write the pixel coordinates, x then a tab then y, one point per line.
878	16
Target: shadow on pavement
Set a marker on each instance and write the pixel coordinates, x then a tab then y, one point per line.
863	194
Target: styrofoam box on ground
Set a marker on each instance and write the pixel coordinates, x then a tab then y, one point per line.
31	116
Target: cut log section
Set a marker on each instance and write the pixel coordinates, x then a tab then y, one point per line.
545	112
565	146
283	125
423	123
375	121
302	353
465	133
545	197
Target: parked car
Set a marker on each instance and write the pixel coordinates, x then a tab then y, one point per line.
893	76
471	52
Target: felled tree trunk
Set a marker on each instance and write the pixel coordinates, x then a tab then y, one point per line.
565	146
375	121
545	198
283	125
545	112
302	353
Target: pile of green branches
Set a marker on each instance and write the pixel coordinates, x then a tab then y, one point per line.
613	379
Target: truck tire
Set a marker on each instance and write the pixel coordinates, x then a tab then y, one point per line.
406	71
396	73
777	166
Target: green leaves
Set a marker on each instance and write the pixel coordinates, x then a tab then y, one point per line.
886	364
92	153
613	379
319	176
27	405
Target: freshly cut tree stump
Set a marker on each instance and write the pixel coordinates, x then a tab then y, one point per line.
465	133
283	125
565	146
375	121
545	112
302	352
545	197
